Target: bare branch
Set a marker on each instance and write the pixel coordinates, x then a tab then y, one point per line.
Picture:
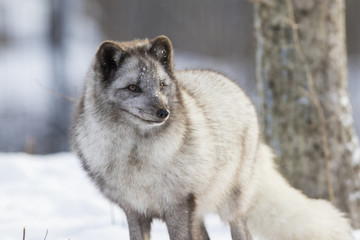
313	95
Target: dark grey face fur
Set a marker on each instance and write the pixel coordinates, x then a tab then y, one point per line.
137	83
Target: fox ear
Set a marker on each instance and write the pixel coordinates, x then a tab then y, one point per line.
109	58
161	49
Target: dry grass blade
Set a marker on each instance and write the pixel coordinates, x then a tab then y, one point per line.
46	234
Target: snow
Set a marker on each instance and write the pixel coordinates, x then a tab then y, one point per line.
356	156
51	193
356	234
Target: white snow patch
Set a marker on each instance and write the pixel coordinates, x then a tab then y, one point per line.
356	152
53	193
354	196
344	101
353	147
356	234
356	157
346	120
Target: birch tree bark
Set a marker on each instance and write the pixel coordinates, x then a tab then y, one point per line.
305	107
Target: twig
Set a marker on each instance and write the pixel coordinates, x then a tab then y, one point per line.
314	97
46	234
24	233
57	94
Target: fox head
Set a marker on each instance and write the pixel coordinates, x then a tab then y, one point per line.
134	81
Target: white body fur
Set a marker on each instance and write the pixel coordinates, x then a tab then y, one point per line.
213	151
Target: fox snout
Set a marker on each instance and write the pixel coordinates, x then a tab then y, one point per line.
159	109
162	113
157	115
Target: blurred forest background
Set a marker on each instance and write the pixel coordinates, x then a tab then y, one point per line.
46	47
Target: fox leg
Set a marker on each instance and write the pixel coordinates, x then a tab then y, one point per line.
199	231
182	223
239	231
177	222
139	226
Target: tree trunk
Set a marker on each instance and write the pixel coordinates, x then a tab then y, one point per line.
305	107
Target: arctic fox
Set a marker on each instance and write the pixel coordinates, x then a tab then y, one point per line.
177	145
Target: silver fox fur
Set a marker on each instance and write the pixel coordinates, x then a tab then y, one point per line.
177	145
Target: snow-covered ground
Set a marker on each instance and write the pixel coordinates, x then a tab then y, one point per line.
52	194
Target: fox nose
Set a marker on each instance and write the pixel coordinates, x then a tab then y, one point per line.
162	113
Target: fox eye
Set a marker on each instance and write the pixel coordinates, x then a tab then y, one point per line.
134	88
162	85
